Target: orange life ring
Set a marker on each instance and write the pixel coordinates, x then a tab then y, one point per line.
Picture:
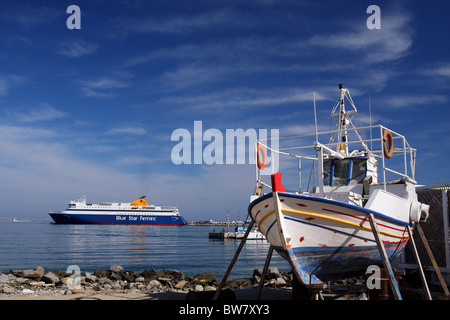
387	139
262	165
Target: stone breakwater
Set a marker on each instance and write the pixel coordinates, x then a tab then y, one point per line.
117	280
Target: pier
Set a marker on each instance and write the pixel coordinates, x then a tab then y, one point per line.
216	223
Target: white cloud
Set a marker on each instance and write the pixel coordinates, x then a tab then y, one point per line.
243	97
439	69
182	23
102	87
29	16
76	48
44	112
391	42
412	100
105	83
8	80
128	130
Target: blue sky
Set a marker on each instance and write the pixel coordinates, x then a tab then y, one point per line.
91	111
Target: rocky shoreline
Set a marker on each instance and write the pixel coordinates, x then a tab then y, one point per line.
117	280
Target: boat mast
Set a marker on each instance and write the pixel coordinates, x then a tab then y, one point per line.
342	117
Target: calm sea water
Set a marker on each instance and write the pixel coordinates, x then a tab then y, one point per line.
28	244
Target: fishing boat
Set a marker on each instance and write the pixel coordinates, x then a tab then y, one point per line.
136	212
254	234
360	188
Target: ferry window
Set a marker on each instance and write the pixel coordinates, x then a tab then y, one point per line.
359	170
327	172
340	172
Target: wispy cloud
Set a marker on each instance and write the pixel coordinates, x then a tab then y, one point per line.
414	100
128	130
42	112
181	24
29	16
9	80
132	161
438	69
102	87
76	48
391	42
242	98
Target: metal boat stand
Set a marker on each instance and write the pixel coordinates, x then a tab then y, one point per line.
387	265
263	276
419	264
299	291
233	261
384	258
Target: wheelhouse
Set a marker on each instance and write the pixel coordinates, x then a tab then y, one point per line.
343	172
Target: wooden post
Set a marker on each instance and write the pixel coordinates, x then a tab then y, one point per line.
419	264
433	261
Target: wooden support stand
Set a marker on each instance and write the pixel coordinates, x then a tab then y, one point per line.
301	291
384	292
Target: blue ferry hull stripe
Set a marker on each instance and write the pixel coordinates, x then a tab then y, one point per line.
73	218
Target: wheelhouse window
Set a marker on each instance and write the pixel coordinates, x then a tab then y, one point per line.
343	172
340	172
359	169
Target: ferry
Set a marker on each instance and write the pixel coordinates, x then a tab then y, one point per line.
136	212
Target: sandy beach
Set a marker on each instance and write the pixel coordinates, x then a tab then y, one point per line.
241	294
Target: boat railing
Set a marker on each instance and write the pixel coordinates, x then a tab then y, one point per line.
168	208
360	141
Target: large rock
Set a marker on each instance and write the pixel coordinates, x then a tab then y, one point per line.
154	284
129	276
100	273
181	284
149	274
35	274
4	278
204	278
116	268
50	277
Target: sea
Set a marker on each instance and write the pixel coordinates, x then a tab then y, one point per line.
26	244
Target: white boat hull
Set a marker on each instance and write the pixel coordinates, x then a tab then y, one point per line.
253	235
325	239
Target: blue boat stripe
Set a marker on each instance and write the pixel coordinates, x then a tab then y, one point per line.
270	227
